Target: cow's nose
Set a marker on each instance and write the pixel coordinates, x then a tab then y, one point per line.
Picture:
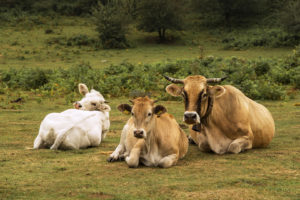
190	116
77	105
138	133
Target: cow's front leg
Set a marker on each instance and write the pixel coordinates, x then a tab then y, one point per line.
240	144
38	142
117	154
133	159
203	143
168	161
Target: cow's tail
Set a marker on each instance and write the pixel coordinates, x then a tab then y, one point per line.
61	136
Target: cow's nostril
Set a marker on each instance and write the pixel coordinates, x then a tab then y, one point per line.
138	133
77	105
190	115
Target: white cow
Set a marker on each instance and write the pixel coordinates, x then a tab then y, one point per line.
77	128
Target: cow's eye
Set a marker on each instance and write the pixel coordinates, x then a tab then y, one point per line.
93	104
79	106
132	113
149	114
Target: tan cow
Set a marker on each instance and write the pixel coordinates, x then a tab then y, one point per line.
223	118
151	136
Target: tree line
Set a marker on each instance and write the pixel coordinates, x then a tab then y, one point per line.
113	17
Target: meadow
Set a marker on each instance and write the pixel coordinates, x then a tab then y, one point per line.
268	173
67	41
64	51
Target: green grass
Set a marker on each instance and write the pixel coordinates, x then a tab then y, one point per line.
269	173
25	45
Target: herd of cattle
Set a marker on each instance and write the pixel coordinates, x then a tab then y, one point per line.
221	119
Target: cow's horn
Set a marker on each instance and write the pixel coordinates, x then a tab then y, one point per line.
173	80
215	80
155	101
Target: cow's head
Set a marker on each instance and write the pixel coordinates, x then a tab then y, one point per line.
92	100
143	112
195	91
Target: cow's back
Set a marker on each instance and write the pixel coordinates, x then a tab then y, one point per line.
259	118
262	124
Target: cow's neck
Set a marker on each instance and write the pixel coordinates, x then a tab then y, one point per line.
205	111
208	108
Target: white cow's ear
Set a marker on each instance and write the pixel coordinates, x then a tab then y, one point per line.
83	89
125	108
174	90
159	110
104	107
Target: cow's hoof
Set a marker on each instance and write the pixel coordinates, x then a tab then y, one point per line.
110	159
234	148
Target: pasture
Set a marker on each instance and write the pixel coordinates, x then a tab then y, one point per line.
269	173
62	43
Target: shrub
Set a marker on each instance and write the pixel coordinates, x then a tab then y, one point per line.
258	79
238	40
111	22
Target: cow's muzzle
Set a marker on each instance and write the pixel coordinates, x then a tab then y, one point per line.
191	117
77	105
138	133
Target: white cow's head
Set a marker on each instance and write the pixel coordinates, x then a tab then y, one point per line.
92	100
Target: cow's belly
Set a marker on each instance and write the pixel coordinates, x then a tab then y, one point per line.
217	141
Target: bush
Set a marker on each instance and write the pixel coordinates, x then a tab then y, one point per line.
111	22
77	40
238	40
258	79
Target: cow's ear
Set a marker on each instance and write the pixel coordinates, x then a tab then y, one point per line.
83	89
216	91
174	90
104	107
159	110
125	108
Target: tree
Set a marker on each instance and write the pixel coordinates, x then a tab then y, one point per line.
290	17
230	12
159	16
112	23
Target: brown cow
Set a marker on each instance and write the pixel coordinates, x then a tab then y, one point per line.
223	118
151	136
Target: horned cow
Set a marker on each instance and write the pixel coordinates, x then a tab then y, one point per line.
151	136
222	118
77	128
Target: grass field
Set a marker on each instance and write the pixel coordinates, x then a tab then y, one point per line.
27	45
270	173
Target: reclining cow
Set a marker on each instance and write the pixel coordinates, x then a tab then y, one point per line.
83	127
151	136
223	118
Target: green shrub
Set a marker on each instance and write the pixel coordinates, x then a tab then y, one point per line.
111	22
258	79
77	40
238	40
